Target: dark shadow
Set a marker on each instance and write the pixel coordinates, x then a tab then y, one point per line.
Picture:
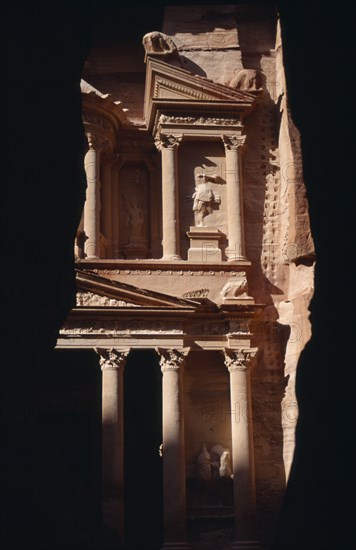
192	67
143	464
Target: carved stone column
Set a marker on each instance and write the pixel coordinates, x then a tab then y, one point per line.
174	497
233	147
112	364
117	163
80	240
92	203
168	145
238	364
106	207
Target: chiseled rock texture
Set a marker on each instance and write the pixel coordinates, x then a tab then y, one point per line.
219	43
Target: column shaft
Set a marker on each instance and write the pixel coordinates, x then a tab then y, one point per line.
236	248
92	203
112	365
174	494
170	199
115	226
242	449
106	209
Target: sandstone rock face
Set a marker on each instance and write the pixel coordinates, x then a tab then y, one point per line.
240	49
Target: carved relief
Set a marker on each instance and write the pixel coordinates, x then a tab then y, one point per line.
134	215
236	287
91	299
207	121
201	293
111	358
163	141
239	359
214	464
90	116
159	43
204	465
233	142
247	80
170	359
204	198
96	142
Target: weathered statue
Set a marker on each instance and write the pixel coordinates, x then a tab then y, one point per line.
225	469
161	45
204	464
220	460
204	198
247	80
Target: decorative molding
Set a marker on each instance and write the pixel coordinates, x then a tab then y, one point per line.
92	299
233	142
185	90
171	359
163	141
199	120
201	293
97	143
110	359
98	119
239	360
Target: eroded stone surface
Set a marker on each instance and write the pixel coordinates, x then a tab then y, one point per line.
253	209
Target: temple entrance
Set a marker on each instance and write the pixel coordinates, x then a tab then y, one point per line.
143	464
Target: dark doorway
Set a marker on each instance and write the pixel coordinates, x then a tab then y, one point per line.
143	464
67	408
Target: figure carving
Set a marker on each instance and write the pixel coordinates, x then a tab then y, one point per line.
160	44
225	469
204	198
221	461
247	80
214	464
135	219
236	287
204	464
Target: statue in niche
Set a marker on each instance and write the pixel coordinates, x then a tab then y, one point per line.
204	198
204	465
215	464
135	219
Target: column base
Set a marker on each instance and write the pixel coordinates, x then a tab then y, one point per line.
246	545
176	546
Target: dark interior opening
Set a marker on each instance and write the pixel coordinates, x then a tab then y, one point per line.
143	464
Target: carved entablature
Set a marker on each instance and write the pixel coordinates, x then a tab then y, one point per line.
94	300
175	98
101	115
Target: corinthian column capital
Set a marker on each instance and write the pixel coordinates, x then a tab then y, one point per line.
233	143
170	141
96	142
171	359
239	360
110	359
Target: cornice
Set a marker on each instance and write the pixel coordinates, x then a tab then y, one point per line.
173	267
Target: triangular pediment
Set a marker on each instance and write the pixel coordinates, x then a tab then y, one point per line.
169	84
96	291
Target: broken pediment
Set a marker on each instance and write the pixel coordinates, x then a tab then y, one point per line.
171	89
96	291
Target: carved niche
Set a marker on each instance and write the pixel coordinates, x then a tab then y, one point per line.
134	211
